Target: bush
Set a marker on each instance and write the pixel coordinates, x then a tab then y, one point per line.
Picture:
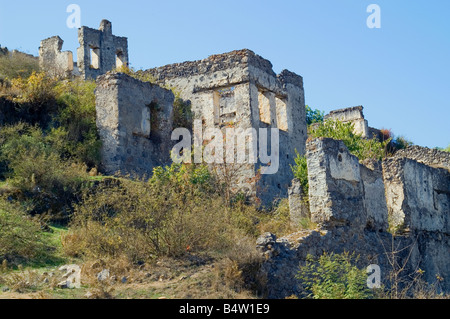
356	144
37	89
21	239
175	212
300	170
278	221
66	109
35	167
180	209
76	121
334	276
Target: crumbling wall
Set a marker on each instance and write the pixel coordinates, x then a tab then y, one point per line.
341	190
134	120
417	195
418	199
240	89
354	115
348	201
298	207
53	60
100	51
430	157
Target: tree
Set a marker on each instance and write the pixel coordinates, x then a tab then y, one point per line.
313	116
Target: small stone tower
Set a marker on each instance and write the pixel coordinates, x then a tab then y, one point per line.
100	51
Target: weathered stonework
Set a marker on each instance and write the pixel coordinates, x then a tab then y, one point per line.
240	89
53	60
100	51
354	115
347	201
341	190
418	199
430	157
134	120
418	196
298	207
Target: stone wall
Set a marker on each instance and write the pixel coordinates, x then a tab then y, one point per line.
100	51
418	199
354	115
134	119
352	203
53	60
341	190
418	195
430	157
298	207
240	89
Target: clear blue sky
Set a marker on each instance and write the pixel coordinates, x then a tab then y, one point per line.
399	73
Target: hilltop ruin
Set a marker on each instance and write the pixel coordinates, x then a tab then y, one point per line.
100	51
356	205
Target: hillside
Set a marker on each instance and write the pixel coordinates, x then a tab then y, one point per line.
185	231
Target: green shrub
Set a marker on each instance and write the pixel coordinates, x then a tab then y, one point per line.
21	238
33	165
277	221
334	276
76	121
356	144
300	170
180	209
182	113
400	142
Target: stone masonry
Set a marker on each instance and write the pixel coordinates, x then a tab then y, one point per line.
53	60
240	89
134	119
348	202
298	207
418	199
100	51
427	156
354	115
356	191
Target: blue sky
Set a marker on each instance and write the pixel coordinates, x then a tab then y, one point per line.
400	73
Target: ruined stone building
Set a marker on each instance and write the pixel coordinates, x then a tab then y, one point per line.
236	89
356	205
100	51
240	89
355	116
